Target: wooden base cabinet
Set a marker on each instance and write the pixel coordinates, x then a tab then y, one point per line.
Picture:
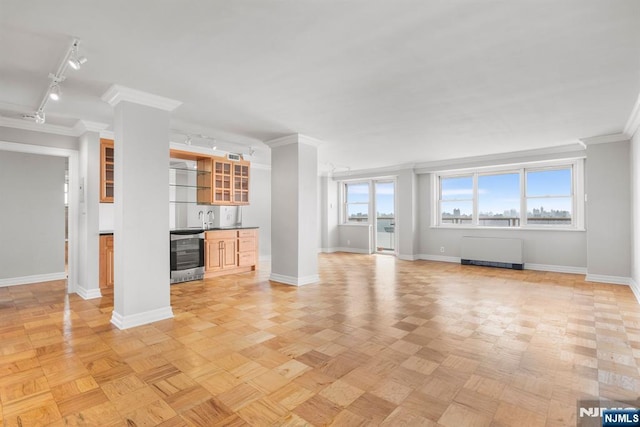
230	251
106	261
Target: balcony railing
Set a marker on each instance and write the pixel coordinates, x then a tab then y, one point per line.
504	221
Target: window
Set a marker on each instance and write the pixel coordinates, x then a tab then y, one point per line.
356	202
456	200
529	196
549	197
499	200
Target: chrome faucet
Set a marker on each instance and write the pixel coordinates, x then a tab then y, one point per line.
202	217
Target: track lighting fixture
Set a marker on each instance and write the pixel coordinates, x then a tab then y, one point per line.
71	59
75	60
213	144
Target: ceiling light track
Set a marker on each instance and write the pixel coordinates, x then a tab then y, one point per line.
212	142
71	59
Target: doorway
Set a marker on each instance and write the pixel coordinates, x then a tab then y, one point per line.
385	218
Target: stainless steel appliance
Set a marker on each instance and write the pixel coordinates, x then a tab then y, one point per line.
187	255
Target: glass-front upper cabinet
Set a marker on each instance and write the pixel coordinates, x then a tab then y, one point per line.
106	170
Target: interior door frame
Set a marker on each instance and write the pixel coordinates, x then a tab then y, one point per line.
73	198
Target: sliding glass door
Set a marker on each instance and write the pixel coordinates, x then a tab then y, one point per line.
385	218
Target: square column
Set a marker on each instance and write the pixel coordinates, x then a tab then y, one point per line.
294	210
141	217
88	241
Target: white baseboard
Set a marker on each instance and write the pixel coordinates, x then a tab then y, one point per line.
614	280
89	293
440	258
407	257
327	250
138	319
634	288
555	268
351	250
294	281
36	278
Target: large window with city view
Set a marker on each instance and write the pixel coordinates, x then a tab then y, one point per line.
532	197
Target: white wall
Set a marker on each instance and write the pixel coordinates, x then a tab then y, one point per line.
328	214
32	215
635	210
38	138
608	212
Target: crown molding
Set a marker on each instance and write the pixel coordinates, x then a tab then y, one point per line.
633	123
33	126
386	171
83	126
293	139
575	150
107	134
606	139
116	93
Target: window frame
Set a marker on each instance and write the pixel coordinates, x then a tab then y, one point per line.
577	195
344	211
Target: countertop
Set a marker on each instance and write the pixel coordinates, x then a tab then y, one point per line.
201	230
193	230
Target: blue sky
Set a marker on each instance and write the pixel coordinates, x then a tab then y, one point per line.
501	192
384	195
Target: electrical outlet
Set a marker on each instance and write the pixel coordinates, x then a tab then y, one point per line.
442	249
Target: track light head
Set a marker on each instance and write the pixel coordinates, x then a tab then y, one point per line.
76	61
54	93
40	118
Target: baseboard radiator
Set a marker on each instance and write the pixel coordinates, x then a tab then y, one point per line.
492	252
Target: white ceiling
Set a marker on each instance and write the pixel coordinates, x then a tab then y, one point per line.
379	82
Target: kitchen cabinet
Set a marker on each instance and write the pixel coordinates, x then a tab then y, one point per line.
219	181
220	250
106	261
230	251
106	170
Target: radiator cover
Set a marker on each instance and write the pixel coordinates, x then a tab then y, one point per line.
492	252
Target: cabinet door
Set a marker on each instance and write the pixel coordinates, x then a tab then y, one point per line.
241	183
109	260
106	261
230	250
212	254
106	170
222	175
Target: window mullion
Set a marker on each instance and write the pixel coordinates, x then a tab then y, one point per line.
523	197
474	216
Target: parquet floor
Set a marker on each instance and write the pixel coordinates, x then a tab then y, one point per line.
378	342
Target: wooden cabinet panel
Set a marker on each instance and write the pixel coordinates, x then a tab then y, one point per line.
241	183
106	261
246	259
230	251
222	177
106	170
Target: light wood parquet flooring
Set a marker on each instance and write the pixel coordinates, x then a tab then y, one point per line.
378	342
